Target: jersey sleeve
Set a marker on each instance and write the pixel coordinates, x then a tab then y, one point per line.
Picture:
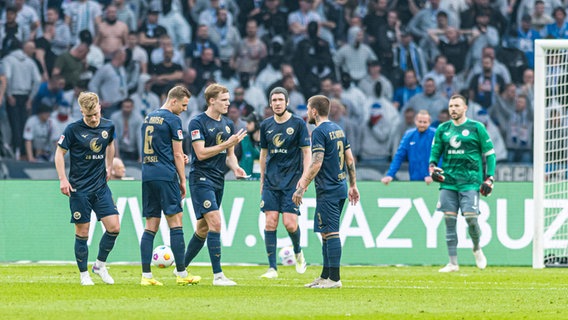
195	130
485	140
176	129
66	139
112	133
318	141
263	141
304	136
437	145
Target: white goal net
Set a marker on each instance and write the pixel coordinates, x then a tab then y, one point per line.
550	181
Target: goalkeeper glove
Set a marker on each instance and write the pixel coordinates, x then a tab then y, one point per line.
436	173
486	186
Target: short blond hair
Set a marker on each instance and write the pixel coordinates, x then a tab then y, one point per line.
178	93
213	91
88	101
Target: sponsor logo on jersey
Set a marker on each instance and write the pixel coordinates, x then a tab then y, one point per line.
269	131
412	143
61	138
290	131
76	215
104	134
195	134
180	134
206	204
454	143
84	136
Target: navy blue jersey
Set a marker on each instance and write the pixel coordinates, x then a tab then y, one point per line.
283	142
213	132
159	130
330	181
87	147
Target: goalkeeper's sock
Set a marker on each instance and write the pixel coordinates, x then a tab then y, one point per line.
214	247
178	247
474	231
270	243
295	237
105	246
451	235
193	248
146	247
81	252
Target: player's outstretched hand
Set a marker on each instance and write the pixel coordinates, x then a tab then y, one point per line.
353	195
298	195
65	187
436	173
185	158
237	137
486	187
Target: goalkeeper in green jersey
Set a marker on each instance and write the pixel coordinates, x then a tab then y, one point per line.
461	144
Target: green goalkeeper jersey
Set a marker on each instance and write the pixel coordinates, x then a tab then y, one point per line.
462	149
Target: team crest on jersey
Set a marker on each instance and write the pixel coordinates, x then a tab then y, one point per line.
261	204
206	204
465	133
277	140
104	134
290	131
195	134
454	143
61	138
227	129
76	215
94	146
180	134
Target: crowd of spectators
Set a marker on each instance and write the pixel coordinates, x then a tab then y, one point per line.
381	61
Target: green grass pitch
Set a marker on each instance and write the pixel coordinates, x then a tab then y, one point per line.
54	292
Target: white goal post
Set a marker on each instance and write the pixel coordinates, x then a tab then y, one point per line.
550	174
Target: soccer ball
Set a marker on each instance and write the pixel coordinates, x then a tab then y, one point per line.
162	257
287	256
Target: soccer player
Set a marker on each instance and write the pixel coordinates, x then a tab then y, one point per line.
332	163
284	157
163	183
462	143
89	142
415	147
213	150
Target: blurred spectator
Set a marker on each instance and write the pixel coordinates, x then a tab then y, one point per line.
353	98
469	17
5	134
95	57
331	15
484	35
111	34
44	53
253	93
498	67
540	18
415	148
387	39
480	114
429	47
239	101
205	67
406	9
128	124
250	147
70	98
559	28
485	85
367	84
443	116
145	101
27	18
519	133
110	83
226	76
82	15
50	93
209	16
407	91
298	20
429	99
125	14
407	122
295	98
272	19
250	51
451	84
408	56
353	56
523	39
176	25
61	40
70	65
224	36
10	31
527	87
194	50
157	55
326	87
132	69
437	72
284	71
139	55
166	73
118	170
234	114
23	82
37	136
375	20
454	47
151	31
425	20
504	105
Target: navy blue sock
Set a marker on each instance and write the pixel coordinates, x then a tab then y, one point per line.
193	248
295	237
214	246
177	244
325	269
334	256
105	246
146	247
270	243
81	252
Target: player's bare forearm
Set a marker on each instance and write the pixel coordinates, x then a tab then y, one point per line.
109	156
179	160
64	185
203	153
313	169
262	163
350	162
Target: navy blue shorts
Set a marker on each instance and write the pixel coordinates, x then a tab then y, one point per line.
205	198
158	196
81	205
327	215
278	200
